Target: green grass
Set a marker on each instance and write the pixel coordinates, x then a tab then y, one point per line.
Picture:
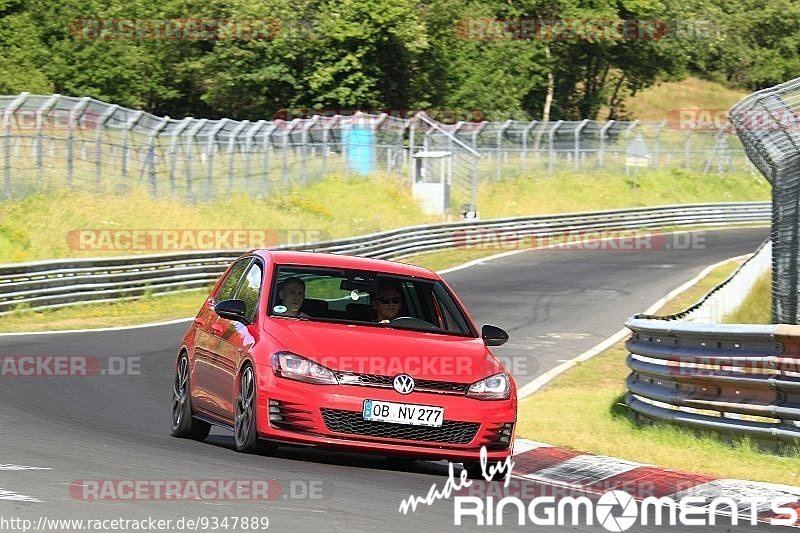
131	312
757	306
693	294
570	192
39	226
583	409
655	103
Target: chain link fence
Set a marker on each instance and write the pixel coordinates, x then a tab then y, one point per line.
50	142
768	124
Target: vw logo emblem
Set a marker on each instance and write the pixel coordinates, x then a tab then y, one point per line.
403	383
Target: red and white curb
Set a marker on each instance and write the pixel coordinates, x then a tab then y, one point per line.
597	474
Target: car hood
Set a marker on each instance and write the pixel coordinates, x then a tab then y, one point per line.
387	351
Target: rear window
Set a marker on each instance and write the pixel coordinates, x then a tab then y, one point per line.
366	298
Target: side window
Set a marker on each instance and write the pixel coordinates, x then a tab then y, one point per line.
250	290
228	287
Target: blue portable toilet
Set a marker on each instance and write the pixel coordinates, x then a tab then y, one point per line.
359	142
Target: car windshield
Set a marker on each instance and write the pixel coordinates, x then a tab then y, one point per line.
366	298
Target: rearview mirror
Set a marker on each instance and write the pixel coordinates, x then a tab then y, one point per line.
232	310
493	336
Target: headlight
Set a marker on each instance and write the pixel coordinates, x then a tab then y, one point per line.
292	366
495	387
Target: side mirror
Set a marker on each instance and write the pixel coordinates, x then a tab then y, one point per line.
232	310
493	336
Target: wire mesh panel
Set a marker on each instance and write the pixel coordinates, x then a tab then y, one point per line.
768	124
50	142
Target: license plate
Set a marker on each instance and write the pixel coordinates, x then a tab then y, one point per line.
403	413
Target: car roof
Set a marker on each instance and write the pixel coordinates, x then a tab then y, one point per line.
288	257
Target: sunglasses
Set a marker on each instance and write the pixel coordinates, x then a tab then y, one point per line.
386	300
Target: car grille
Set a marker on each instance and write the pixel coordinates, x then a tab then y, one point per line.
353	423
385	382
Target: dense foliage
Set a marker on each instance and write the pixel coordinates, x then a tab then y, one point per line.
392	54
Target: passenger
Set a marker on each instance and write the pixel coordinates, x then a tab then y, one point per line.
387	302
292	293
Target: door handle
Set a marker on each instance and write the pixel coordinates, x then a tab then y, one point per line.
217	329
200	322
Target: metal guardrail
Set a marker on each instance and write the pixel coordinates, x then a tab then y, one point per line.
52	284
743	379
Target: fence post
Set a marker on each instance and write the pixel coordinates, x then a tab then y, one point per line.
173	150
306	126
7	114
577	151
412	127
687	155
551	153
190	152
271	128
628	131
137	115
98	150
526	131
500	131
232	150
74	114
43	110
657	147
248	148
601	154
211	147
151	154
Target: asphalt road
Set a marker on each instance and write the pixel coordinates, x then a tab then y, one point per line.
555	304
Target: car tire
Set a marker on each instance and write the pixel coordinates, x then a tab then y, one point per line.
183	424
245	435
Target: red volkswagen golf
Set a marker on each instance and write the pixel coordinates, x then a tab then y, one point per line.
344	352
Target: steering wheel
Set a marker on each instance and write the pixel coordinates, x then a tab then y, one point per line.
413	321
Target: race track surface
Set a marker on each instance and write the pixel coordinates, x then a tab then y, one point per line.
554	303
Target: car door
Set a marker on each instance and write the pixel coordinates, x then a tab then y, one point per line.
207	339
236	340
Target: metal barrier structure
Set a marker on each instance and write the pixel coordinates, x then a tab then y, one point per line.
743	379
54	141
768	125
52	284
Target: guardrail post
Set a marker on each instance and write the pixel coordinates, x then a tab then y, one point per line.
232	150
7	114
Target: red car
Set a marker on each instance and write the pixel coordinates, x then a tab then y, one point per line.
344	352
